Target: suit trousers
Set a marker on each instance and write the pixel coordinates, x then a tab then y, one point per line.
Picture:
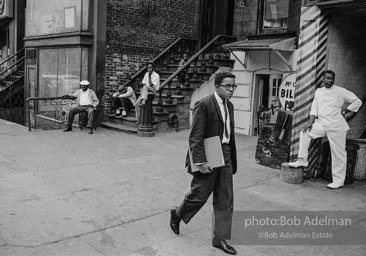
337	142
220	183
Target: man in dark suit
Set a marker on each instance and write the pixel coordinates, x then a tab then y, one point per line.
212	116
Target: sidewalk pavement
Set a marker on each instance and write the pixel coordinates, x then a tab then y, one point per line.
110	193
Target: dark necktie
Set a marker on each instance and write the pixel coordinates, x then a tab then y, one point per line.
150	82
225	122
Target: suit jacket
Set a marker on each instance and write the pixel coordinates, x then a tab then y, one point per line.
208	122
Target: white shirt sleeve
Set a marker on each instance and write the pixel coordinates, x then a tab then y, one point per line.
355	102
314	105
155	79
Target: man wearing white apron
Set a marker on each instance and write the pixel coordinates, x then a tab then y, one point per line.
327	119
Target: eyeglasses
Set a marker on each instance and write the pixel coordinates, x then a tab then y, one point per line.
229	87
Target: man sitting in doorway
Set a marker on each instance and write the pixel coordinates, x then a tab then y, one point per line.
87	102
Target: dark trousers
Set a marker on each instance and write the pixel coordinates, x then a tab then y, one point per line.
182	77
76	110
124	103
220	183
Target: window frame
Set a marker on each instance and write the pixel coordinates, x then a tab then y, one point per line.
260	21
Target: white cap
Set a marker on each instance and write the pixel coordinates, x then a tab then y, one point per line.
84	82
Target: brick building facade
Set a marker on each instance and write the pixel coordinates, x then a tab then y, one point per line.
139	30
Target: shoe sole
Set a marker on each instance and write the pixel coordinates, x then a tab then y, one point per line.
297	166
334	188
220	248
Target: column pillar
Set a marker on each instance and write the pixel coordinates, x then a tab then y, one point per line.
146	129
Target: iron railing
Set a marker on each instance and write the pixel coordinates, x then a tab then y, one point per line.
217	42
168	55
12	88
11	64
49	112
214	46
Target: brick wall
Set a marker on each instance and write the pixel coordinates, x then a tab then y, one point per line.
346	57
138	30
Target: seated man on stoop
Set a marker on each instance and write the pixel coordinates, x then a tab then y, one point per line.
123	99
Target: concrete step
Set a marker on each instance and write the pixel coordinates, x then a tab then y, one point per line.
119	127
126	121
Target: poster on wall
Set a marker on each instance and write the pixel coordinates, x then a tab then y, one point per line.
70	17
286	93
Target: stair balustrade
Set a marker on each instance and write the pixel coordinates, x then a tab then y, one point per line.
12	88
206	58
168	56
171	104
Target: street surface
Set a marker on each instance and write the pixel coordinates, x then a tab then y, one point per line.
110	193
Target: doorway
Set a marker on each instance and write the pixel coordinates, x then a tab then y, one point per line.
265	97
217	18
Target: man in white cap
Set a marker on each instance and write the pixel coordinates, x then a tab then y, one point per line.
87	102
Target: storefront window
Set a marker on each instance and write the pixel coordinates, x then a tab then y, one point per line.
45	17
61	70
275	14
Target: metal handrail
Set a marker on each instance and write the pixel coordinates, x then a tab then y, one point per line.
19	61
193	58
15	54
161	54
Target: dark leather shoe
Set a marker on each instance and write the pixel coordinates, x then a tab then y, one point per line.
91	131
174	220
68	129
223	245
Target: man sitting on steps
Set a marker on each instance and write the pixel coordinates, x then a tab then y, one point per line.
123	99
151	83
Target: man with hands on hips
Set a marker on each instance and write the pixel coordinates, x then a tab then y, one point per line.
328	119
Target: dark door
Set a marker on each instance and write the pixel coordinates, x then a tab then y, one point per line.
217	19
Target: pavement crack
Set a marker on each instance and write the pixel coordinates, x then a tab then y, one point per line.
86	233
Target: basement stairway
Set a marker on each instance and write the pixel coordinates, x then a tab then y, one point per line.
171	104
12	88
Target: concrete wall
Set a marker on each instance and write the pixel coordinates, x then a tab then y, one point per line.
137	30
347	57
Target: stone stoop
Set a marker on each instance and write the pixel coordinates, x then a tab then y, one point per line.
175	106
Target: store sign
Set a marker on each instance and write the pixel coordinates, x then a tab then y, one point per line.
286	93
6	9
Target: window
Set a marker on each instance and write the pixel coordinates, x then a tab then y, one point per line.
61	70
46	17
275	14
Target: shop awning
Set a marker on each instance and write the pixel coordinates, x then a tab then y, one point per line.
278	44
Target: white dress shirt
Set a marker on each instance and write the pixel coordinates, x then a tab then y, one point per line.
222	106
155	79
